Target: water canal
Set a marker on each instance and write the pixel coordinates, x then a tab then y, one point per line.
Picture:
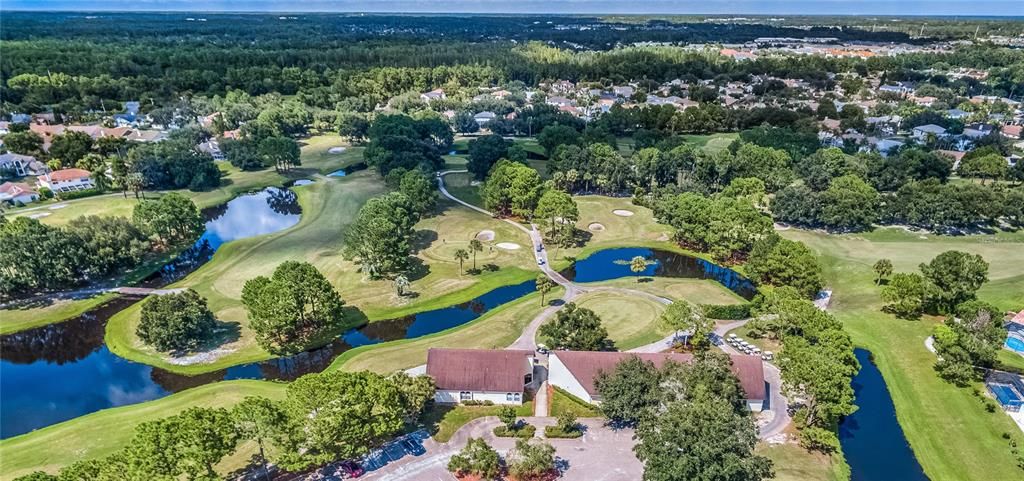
872	439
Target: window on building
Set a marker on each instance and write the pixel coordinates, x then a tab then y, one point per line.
508	396
518	396
465	396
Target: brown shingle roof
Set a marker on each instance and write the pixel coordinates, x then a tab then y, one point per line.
584	366
478	369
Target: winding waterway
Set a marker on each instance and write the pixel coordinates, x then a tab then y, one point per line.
82	376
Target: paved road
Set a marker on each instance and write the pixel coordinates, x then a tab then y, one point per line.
777	407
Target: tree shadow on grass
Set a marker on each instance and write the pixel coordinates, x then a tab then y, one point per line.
422	239
417	269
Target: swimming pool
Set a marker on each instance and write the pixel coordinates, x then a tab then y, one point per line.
1006	395
1015	344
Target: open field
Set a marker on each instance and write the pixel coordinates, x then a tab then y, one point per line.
952	435
104	432
496	329
631	321
713	143
698	291
329	205
638	230
793	463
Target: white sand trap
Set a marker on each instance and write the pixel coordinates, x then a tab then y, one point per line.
596	227
39	215
335	150
510	246
58	206
485	235
623	213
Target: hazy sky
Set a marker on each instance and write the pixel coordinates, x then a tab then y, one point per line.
771	7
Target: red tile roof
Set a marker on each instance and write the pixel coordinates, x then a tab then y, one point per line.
498	370
584	366
68	174
15	189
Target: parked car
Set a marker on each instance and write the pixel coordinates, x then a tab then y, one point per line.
540	261
350	469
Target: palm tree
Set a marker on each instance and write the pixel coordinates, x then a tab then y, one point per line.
461	255
638	264
475	246
544	285
401	284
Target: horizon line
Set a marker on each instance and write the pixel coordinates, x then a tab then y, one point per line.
510	13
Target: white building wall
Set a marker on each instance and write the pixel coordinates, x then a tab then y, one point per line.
755	406
454	397
559	375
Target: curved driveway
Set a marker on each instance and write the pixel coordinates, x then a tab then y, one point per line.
777	405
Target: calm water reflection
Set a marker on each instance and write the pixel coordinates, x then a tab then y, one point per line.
614	263
872	439
86	377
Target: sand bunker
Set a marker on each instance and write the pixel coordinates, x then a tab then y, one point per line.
335	150
39	215
511	246
623	213
596	227
58	206
485	235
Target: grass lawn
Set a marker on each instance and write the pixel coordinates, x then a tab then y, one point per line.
329	205
713	143
638	230
631	321
443	420
15	319
496	329
1011	361
793	463
952	435
562	401
699	291
102	433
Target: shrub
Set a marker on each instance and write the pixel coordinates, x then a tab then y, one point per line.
78	194
819	439
729	312
559	433
523	431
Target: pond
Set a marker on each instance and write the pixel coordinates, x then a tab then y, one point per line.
83	376
348	170
64	370
872	439
614	263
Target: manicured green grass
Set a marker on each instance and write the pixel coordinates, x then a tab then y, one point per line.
631	321
713	143
329	205
1011	361
102	433
562	401
15	319
444	420
699	291
638	230
496	329
793	463
952	435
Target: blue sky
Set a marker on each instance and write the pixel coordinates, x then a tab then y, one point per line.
770	7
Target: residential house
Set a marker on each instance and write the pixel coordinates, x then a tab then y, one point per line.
957	113
1012	131
17	193
625	91
436	94
575	372
151	135
18	165
501	376
977	131
484	118
922	132
560	101
955	155
67	180
213	148
884	146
